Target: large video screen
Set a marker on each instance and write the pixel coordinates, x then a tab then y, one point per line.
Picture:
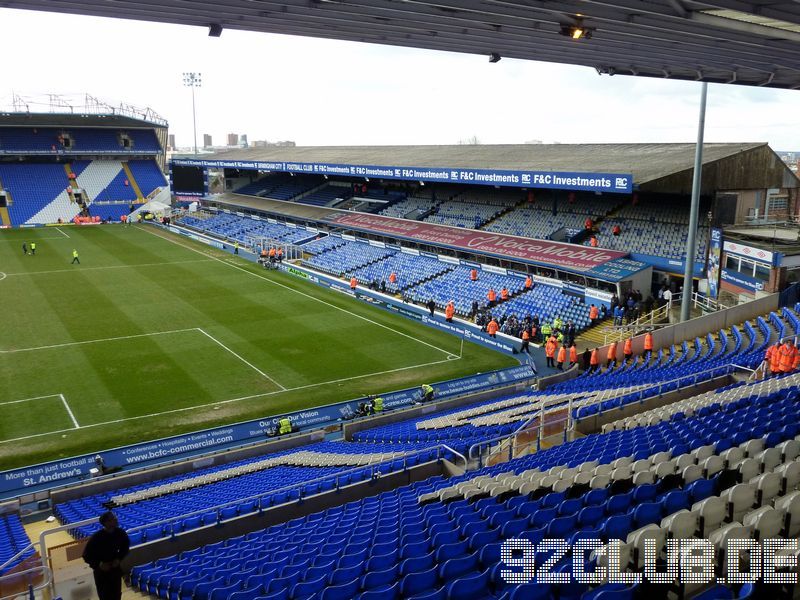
187	179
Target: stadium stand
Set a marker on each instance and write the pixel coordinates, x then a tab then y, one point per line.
13	540
280	186
409	269
419	278
652	226
711	475
245	481
323	244
471	211
243	229
546	302
538	220
456	285
80	140
33	186
148	175
345	259
410	208
326	195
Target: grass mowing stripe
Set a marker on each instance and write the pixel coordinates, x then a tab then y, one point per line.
218	403
315	298
84	269
249	364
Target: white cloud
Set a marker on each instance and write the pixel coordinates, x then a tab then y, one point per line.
339	93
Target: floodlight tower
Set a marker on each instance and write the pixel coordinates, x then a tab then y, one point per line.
193	80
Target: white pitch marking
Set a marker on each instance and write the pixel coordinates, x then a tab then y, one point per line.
69	412
249	364
29	399
2	276
229	401
58	229
339	308
177	262
110	339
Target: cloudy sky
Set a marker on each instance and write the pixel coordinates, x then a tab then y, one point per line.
320	92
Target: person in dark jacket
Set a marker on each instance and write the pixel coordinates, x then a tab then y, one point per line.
587	356
103	553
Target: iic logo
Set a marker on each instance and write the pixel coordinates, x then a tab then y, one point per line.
621	183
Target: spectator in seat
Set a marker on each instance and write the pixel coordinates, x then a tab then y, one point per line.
616	230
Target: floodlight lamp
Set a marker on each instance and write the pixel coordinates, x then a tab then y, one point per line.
576	32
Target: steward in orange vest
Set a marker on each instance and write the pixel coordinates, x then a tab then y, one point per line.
612	355
648	342
492	328
774	353
449	311
562	356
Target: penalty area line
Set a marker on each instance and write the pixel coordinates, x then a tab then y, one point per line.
223	402
291	289
69	412
248	363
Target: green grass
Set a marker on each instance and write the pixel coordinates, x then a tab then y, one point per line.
153	335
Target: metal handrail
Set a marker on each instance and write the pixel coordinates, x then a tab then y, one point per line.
561	403
17	556
45	583
461	456
644	321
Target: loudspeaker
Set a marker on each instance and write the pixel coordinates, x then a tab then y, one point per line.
214	30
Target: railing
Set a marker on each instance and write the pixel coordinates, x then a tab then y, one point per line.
168	524
508	441
652	320
38	579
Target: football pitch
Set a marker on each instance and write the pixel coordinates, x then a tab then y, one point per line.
153	334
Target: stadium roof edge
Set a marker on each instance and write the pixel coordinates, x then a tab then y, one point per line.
714	41
41	119
646	162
